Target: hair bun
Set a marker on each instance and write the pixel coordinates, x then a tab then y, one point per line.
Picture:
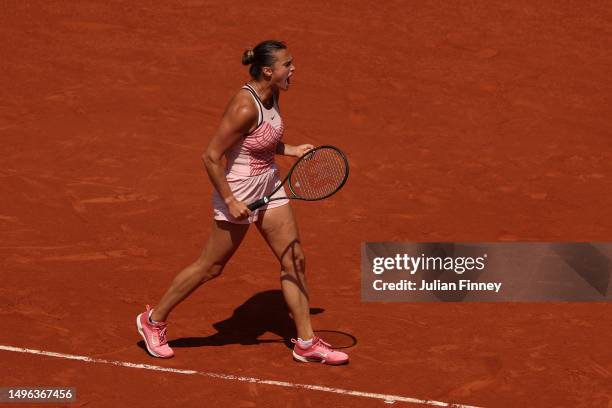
248	56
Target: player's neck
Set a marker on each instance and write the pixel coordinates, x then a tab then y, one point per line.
264	91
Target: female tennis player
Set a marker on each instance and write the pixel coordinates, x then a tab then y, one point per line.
248	137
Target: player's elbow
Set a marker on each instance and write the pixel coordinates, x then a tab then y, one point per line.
209	159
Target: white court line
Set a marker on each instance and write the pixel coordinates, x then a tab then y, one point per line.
385	397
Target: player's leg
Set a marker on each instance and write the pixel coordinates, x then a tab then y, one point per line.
224	239
279	229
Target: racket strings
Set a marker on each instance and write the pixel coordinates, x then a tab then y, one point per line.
319	174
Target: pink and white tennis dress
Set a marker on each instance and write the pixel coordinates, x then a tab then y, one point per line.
251	171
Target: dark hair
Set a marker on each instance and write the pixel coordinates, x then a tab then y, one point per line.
261	56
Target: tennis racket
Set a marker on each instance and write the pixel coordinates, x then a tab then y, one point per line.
316	175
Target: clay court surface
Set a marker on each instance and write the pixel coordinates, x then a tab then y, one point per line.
462	122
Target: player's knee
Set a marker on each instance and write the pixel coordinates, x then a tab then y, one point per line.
212	272
207	271
296	263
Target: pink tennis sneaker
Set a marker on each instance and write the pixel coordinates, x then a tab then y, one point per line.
319	352
154	335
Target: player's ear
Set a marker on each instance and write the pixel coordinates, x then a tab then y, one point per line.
266	72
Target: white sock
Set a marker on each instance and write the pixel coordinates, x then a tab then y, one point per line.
153	322
304	343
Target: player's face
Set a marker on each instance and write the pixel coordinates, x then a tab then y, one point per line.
283	69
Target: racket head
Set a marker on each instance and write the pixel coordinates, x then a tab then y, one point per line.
318	174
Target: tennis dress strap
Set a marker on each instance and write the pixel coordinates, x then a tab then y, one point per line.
257	102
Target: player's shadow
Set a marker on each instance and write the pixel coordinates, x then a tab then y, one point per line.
264	312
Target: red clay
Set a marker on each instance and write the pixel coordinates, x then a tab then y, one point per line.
462	122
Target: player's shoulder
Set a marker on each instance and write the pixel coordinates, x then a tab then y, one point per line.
242	105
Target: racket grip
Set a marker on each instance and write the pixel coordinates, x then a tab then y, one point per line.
259	203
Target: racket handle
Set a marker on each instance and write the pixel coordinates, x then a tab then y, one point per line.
259	203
